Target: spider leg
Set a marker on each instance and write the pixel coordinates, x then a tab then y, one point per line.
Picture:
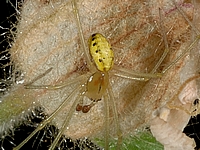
66	122
38	77
48	120
191	45
146	76
54	87
107	123
115	115
76	13
166	50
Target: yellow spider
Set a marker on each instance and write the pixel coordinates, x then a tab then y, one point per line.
95	84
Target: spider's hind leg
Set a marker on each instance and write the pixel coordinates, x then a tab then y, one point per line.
111	110
67	120
51	117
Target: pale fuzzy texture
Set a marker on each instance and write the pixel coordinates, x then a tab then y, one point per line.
189	93
171	137
47	36
167	127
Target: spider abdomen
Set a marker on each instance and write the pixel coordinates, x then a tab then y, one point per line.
101	52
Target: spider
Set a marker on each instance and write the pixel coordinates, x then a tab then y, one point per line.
95	84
